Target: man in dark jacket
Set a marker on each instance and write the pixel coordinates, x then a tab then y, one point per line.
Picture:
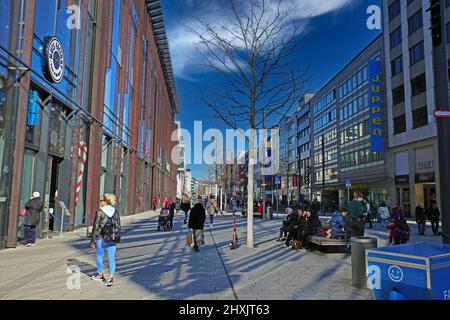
434	215
33	209
421	219
197	219
292	227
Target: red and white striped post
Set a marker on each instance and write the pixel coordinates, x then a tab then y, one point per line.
83	155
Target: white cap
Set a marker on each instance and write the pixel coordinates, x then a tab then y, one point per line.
36	194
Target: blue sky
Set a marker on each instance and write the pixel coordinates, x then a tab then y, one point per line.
334	32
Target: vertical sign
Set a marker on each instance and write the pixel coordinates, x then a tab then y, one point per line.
376	128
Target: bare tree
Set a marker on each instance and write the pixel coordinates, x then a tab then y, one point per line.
252	55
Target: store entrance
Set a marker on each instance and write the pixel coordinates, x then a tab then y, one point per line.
429	195
51	188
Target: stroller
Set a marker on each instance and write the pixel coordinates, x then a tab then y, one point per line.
164	220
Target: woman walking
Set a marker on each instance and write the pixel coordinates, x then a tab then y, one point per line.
105	236
211	208
197	219
185	206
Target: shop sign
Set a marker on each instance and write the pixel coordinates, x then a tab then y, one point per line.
376	128
425	165
425	177
361	186
403	179
55	62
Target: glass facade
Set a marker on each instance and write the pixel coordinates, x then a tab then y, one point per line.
11	26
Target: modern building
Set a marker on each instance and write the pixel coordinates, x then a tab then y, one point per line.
303	117
188	182
288	159
79	104
411	102
341	134
181	174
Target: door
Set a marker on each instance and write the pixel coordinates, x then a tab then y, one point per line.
51	189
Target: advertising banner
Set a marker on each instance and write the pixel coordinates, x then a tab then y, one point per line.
375	104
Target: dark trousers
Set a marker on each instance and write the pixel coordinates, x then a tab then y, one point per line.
291	236
368	220
435	226
421	227
171	222
211	218
30	234
283	232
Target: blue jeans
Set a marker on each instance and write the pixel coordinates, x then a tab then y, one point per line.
185	215
211	218
111	248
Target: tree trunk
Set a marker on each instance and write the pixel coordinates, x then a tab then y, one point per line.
251	156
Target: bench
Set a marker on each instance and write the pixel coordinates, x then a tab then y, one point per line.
323	242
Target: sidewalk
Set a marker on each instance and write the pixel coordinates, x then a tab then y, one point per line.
159	265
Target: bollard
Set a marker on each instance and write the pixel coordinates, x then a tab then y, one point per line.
359	247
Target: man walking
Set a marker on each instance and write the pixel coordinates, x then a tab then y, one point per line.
421	219
434	215
33	209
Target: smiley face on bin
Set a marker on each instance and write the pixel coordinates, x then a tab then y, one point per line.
395	273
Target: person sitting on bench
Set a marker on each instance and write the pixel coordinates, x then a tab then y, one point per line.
285	227
337	223
308	224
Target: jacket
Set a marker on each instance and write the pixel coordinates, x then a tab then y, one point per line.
421	216
355	209
211	207
197	217
434	214
34	208
383	212
186	205
101	217
172	209
337	222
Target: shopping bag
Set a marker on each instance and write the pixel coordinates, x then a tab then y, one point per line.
189	239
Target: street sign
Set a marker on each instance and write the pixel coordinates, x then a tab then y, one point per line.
348	183
441	113
277	180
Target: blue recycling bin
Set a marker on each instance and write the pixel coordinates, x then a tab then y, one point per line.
416	271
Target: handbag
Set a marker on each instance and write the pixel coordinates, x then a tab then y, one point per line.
189	239
23	212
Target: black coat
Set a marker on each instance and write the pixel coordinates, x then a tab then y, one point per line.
34	208
185	206
172	209
421	216
197	217
433	214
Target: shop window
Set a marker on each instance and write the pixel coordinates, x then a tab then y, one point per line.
57	129
33	129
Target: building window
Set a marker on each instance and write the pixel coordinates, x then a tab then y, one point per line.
398	95
416	53
420	117
415	22
394	10
397	65
396	37
399	124
418	85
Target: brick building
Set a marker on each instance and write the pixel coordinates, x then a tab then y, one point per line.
84	110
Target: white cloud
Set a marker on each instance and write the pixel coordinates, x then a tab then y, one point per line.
183	43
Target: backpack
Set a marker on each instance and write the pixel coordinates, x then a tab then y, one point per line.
110	232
